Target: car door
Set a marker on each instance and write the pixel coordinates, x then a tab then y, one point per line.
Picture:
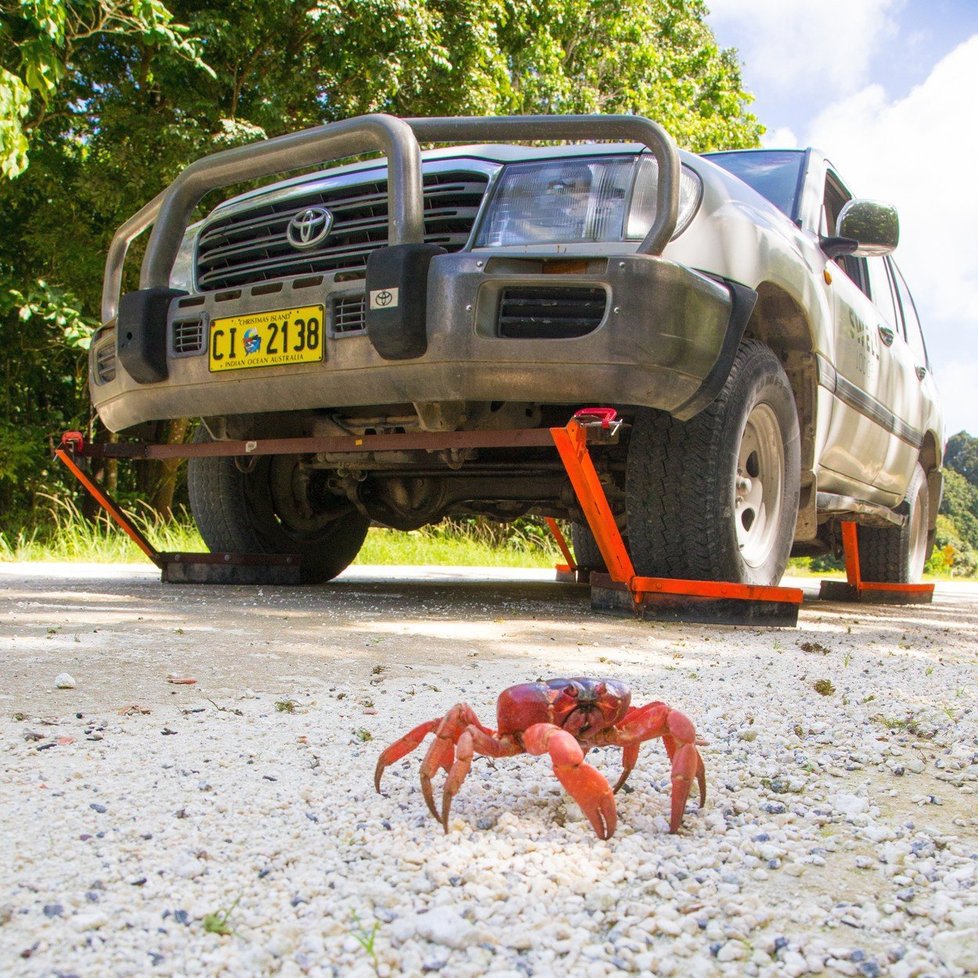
904	368
856	443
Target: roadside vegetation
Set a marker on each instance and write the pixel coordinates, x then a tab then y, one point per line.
69	535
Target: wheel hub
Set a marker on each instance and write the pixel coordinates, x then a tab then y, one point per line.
758	485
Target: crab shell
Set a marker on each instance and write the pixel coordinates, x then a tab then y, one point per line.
580	705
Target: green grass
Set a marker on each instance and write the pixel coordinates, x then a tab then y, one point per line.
67	536
452	545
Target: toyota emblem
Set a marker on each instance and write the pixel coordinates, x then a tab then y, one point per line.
309	227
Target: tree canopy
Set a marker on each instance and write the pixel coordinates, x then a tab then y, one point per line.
962	455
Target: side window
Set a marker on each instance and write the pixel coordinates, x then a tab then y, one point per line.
915	338
835	198
881	292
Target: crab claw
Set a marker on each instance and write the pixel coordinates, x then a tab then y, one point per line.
586	785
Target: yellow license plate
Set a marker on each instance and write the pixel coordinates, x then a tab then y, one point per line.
267	339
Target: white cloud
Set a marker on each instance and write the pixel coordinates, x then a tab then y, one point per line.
955	378
808	47
781	138
918	152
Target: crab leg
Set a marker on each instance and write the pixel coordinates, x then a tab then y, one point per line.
473	740
401	747
679	738
629	751
680	743
441	753
686	764
586	785
629	758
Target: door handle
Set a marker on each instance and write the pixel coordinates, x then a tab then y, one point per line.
887	335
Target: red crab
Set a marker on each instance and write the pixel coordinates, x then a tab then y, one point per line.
563	718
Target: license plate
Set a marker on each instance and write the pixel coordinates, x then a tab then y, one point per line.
267	339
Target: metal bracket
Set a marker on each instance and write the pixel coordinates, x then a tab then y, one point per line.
854	588
622	590
189	568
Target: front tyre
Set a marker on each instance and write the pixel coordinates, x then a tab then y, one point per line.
275	505
896	555
716	498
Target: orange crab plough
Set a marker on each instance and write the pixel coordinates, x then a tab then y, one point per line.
621	589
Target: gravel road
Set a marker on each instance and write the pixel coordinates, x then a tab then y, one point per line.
231	828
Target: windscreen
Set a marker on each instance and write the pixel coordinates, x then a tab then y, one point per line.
774	174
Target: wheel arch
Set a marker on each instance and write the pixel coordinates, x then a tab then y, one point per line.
780	322
930	457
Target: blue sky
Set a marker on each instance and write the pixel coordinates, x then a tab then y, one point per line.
889	89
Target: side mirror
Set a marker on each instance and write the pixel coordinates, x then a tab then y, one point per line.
875	227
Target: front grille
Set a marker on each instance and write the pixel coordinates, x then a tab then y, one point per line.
105	363
548	312
251	246
348	315
188	336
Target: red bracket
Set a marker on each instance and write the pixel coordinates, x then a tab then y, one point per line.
854	588
622	589
603	415
72	444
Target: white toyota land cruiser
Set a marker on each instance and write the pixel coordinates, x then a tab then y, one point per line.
740	310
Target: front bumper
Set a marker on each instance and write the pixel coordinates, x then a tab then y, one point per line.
665	341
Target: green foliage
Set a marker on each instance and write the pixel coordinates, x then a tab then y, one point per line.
38	39
218	922
57	530
15	100
57	309
957	526
962	455
43	352
60	532
463	543
17	457
657	59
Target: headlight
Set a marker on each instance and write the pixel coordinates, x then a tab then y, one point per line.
575	200
642	212
182	275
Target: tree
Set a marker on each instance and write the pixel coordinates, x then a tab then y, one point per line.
962	456
958	521
648	57
37	41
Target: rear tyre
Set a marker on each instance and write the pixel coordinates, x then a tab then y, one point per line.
896	555
716	498
587	556
276	506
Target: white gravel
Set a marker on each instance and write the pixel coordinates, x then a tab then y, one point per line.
139	819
